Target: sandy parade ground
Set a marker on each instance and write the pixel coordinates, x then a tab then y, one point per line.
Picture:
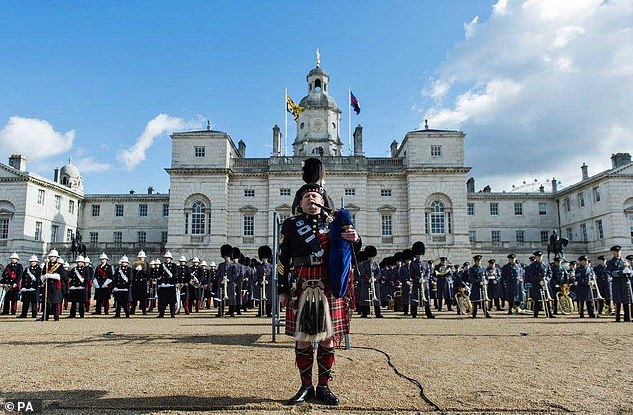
202	364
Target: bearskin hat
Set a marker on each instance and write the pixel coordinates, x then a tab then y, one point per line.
418	248
226	250
313	174
361	256
407	255
237	254
264	251
397	257
371	251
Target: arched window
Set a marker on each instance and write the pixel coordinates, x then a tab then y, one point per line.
438	217
197	218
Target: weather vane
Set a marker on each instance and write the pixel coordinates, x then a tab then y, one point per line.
318	56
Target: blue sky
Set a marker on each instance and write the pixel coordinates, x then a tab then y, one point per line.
89	80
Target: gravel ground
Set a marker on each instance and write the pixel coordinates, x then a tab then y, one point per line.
200	364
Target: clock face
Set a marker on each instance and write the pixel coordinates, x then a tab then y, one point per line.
317	125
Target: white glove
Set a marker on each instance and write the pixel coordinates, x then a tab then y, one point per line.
138	268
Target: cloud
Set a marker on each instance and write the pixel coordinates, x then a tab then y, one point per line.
161	124
89	165
34	138
539	87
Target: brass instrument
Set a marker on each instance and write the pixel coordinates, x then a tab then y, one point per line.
462	298
483	295
4	289
195	282
565	303
545	297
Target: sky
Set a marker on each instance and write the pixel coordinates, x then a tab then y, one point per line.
539	87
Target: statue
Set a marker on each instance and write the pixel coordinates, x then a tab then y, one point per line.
76	246
556	245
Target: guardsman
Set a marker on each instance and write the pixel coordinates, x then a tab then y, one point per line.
559	277
198	275
405	280
90	273
209	280
420	276
225	281
183	280
52	276
444	278
369	277
263	281
102	283
121	287
245	293
620	284
140	278
155	271
585	277
479	287
493	279
77	280
10	280
239	273
167	291
29	287
538	273
604	285
512	276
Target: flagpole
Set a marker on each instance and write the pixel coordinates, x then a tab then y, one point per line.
349	120
286	121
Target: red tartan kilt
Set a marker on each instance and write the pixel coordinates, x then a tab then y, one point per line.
338	307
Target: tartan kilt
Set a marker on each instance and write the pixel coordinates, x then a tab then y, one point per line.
338	306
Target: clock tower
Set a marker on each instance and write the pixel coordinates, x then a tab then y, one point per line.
318	124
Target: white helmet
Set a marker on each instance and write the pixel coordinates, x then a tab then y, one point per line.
212	264
195	259
103	256
141	254
124	259
203	263
87	260
182	258
154	262
80	259
168	255
33	258
53	253
14	256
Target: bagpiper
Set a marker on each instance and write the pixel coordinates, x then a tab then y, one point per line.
420	276
167	291
51	278
140	279
10	282
620	284
30	286
77	280
102	283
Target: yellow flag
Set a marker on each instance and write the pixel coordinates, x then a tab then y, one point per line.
293	108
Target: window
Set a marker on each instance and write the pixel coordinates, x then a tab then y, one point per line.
596	194
54	230
58	202
385	192
94	237
71	207
117	237
569	233
599	229
520	236
118	209
567	204
142	209
197	218
472	236
386	226
40	197
4	228
249	192
494	208
198	151
163	237
249	225
437	217
495	236
284	191
436	151
583	232
542	208
350	191
69	235
165	209
471	209
96	210
141	237
518	208
38	231
581	199
544	237
631	225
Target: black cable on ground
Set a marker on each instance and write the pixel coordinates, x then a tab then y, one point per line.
414	381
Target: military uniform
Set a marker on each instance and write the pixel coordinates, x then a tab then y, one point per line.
604	285
102	283
237	287
90	273
122	288
406	282
420	278
11	276
538	274
209	282
478	280
584	293
77	280
52	275
140	279
183	279
167	291
367	271
559	278
444	280
29	287
494	286
620	285
512	277
226	282
198	276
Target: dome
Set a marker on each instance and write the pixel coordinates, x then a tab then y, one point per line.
317	71
70	170
318	99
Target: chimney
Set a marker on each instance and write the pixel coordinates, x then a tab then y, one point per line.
487	189
585	171
358	141
241	146
470	185
620	159
394	148
276	141
150	190
56	175
17	161
554	185
541	189
132	191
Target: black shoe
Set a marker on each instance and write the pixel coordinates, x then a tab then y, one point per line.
160	316
325	395
380	316
303	394
430	316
